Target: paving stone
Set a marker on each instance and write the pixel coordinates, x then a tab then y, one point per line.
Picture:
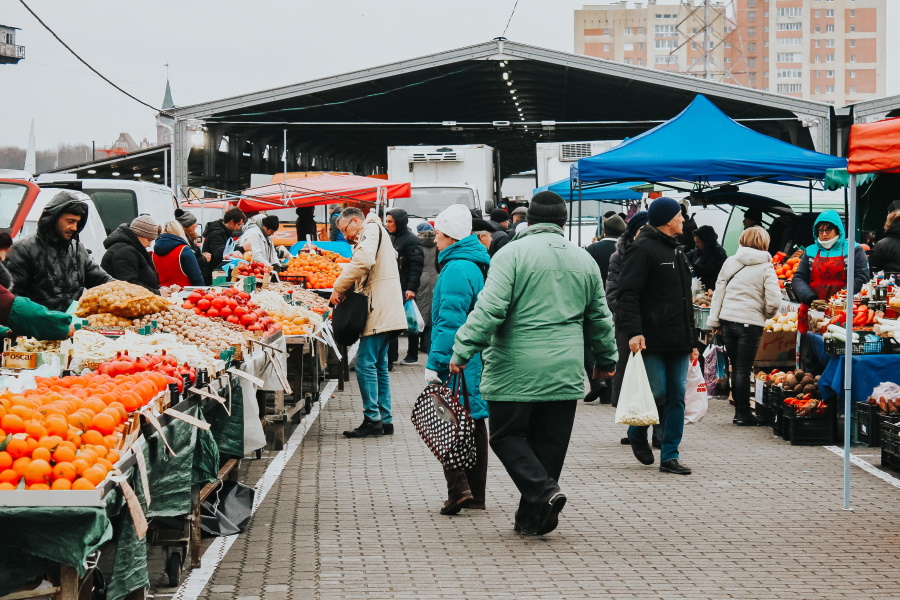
758	520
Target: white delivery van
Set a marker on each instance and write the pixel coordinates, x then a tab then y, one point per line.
91	236
120	201
446	171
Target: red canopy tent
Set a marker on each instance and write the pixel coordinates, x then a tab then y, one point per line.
873	148
321	189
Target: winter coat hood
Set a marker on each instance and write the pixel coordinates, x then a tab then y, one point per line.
401	219
62	203
707	235
427	238
123	235
468	248
168	242
840	246
751	256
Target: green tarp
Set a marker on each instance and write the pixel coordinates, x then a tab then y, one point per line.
228	431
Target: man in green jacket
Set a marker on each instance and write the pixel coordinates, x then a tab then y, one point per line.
542	301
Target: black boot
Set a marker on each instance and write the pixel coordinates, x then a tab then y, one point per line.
368	428
745	418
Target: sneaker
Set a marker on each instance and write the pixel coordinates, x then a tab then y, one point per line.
409	360
387	428
367	429
557	502
642	451
673	466
453	505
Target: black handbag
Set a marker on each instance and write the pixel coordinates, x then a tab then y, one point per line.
348	320
446	425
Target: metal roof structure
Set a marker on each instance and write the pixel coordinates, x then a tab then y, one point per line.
500	93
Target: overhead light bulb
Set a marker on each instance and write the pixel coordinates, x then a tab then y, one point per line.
505	76
517	103
514	98
137	174
502	64
92	172
509	83
115	173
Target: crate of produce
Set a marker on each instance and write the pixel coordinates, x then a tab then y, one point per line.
773	397
837	347
701	316
890	444
809	425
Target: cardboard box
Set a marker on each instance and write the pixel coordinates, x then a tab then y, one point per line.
777	346
19	360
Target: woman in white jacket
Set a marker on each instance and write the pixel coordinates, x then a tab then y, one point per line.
747	293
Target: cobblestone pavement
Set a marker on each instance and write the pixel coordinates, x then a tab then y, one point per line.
758	519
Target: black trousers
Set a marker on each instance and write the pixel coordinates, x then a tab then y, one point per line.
412	351
741	344
475	479
531	440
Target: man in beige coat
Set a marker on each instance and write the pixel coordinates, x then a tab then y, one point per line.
373	270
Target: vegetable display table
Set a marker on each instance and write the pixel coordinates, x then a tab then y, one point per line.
868	371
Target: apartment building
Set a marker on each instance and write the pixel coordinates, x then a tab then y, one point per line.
826	50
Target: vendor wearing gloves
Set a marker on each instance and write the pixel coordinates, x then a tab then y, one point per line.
464	262
257	239
822	271
21	316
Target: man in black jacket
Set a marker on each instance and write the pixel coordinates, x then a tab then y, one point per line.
410	260
653	309
126	257
216	236
52	266
886	254
500	222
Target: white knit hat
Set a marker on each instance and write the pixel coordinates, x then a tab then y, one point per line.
454	221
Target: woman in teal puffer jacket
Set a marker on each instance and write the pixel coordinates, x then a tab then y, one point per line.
464	262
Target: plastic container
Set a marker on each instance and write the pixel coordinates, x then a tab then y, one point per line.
836	347
808	427
701	316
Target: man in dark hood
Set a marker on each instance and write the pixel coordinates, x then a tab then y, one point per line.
707	257
410	261
216	236
52	266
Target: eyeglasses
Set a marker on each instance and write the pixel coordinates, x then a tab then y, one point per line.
343	229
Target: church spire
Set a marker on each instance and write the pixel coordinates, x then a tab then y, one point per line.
167	100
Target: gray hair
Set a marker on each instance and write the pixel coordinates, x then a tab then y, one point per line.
351	213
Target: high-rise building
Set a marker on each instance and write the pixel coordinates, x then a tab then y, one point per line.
827	50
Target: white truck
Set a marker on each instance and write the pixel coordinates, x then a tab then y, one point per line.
443	175
555	158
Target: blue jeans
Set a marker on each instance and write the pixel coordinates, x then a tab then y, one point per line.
372	376
667	372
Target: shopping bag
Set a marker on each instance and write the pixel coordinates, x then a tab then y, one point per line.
443	418
715	363
695	401
636	403
228	510
414	321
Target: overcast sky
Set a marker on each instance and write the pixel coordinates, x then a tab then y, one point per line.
227	47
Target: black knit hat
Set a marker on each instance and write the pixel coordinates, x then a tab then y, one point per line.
547	207
498	215
271	222
481	225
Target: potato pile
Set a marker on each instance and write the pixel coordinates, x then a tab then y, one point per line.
795	382
191	328
783	322
705	300
108	320
121	299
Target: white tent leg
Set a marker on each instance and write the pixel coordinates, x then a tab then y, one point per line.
848	344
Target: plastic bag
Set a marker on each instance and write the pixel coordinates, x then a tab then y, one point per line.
714	369
636	404
414	321
695	401
228	510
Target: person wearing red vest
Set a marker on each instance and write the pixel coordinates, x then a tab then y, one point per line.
173	258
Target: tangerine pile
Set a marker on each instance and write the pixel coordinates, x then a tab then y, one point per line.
787	270
320	272
63	434
293	325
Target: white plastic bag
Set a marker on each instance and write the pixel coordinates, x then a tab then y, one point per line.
695	401
636	404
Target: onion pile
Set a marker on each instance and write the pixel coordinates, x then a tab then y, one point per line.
192	328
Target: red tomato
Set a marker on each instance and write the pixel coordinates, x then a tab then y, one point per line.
211	313
248	319
240	311
194	297
225	312
231	303
203	304
233	319
217	303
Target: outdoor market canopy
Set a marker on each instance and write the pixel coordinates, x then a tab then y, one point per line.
619	191
702	144
321	189
875	147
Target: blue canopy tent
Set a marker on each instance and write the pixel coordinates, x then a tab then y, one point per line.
611	193
702	145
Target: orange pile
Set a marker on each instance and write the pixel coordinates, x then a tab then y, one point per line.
787	270
293	326
62	435
334	256
320	272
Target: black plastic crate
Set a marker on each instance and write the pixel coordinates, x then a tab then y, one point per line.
808	426
890	438
773	398
836	347
764	414
868	423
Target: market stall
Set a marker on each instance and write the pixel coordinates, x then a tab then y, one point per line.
120	431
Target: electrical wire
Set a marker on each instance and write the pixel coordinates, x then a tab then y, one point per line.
510	18
85	63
